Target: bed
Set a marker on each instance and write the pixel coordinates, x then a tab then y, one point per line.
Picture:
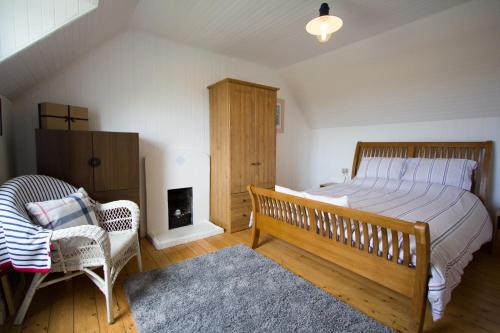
419	236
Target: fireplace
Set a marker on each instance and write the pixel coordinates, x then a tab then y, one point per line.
180	207
177	178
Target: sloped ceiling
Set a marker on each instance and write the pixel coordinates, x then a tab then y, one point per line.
444	66
59	49
272	32
24	22
268	32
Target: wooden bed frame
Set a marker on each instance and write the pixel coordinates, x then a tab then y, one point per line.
285	217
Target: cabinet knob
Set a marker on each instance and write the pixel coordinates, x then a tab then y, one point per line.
94	162
244	215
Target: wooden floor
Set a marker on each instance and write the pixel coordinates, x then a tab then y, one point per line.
79	306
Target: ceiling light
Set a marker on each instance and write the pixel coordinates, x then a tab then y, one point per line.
324	25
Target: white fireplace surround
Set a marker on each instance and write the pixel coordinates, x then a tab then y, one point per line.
171	169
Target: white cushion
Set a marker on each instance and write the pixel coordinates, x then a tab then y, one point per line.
120	241
286	190
337	201
381	167
447	171
74	210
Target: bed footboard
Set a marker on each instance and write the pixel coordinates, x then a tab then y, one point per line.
373	246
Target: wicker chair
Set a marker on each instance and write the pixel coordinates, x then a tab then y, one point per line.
82	249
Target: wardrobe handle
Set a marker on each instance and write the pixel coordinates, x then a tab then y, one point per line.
256	163
94	162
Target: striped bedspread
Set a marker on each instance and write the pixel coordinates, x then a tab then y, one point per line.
458	221
23	245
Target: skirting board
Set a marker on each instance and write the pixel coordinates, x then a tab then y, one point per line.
185	234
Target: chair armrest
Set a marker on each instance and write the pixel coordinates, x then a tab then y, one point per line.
89	232
118	215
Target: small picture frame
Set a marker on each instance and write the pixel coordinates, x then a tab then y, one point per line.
280	115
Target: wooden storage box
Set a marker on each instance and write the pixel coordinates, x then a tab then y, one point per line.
62	117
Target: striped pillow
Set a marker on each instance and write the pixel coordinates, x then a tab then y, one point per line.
74	210
381	167
447	171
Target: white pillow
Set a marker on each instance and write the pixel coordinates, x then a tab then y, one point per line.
381	167
337	201
74	210
447	171
286	190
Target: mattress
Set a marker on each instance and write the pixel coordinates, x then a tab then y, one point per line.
458	221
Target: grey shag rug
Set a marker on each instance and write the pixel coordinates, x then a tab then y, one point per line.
237	290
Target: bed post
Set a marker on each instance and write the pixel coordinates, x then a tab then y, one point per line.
255	231
356	160
419	299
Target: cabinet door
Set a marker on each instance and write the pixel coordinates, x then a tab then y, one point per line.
65	155
242	110
265	137
118	154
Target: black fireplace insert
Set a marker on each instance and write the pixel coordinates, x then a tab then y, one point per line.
180	207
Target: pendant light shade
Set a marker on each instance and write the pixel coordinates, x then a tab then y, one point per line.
324	25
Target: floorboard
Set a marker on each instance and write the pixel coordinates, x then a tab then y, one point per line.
78	306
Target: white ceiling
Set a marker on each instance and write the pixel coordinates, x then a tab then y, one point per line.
269	32
272	32
61	48
444	66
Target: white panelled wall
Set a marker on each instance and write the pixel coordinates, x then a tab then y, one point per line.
138	82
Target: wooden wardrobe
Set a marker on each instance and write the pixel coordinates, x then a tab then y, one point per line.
242	148
106	164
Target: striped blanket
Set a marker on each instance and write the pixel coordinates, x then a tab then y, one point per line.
23	245
459	223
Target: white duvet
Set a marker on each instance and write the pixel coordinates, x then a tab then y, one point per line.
459	223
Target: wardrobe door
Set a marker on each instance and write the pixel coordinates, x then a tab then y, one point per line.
242	118
116	161
65	155
265	137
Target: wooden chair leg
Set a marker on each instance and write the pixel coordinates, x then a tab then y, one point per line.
255	236
7	292
21	313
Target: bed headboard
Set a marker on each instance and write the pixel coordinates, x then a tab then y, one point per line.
477	151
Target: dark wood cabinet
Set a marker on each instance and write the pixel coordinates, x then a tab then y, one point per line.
106	164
